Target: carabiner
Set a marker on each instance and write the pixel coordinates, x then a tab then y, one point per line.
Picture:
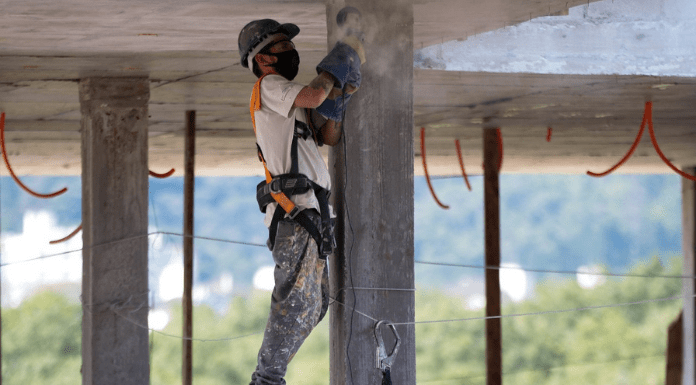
385	361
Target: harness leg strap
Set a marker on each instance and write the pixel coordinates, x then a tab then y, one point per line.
327	236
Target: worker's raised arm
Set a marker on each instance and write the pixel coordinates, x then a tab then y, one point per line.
339	68
313	95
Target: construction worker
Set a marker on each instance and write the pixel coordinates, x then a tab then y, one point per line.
290	121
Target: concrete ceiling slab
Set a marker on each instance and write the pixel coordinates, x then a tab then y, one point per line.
594	120
189	52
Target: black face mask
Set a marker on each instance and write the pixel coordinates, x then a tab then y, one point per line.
288	64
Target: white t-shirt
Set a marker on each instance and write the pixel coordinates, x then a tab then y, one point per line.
275	126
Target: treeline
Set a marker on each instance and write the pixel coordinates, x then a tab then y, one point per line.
609	345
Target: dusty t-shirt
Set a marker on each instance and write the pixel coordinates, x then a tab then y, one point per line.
275	126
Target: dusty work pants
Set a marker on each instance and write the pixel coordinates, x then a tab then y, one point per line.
300	300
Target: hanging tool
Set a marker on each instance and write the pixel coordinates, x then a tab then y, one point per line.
385	361
349	19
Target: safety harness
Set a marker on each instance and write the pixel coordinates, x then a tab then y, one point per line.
281	187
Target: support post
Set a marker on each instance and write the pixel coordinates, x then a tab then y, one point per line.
491	159
673	369
114	236
187	300
372	179
0	306
689	285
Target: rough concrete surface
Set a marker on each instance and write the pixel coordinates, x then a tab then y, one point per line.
188	50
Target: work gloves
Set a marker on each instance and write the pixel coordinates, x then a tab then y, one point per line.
343	62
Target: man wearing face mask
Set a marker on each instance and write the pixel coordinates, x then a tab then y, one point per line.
290	121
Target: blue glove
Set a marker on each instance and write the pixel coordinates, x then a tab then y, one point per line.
343	62
334	109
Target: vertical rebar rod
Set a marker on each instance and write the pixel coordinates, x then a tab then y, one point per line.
187	301
491	160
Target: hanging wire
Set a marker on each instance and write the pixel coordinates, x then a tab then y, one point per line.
161	176
647	118
352	235
425	169
470	266
651	129
123	308
631	149
547	312
12	174
461	163
572	272
69	236
79	228
129	239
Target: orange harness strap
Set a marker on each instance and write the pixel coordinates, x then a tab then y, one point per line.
255	105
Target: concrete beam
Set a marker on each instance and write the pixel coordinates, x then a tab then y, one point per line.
114	215
689	285
373	191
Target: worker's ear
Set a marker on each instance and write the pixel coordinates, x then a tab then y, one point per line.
266	60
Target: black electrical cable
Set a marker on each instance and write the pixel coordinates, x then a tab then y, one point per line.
352	232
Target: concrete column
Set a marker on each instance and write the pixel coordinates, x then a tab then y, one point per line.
689	285
114	217
373	193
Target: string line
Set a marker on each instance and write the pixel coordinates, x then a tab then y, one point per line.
130	239
471	266
525	314
533	270
121	307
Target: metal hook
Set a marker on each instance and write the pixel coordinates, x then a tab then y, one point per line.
384	361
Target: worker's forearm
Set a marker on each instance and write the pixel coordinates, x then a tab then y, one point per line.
323	81
316	92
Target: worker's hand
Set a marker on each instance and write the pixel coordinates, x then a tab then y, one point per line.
334	109
354	42
343	63
350	89
335	92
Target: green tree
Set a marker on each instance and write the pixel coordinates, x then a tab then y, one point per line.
41	342
611	345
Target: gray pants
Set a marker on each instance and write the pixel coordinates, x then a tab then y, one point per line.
300	300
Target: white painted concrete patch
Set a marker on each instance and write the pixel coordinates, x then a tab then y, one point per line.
624	37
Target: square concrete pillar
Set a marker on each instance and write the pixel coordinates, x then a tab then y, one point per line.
114	217
373	191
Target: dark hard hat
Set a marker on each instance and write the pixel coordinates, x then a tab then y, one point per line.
253	33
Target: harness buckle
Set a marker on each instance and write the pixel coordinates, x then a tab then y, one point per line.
275	186
293	213
302	130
